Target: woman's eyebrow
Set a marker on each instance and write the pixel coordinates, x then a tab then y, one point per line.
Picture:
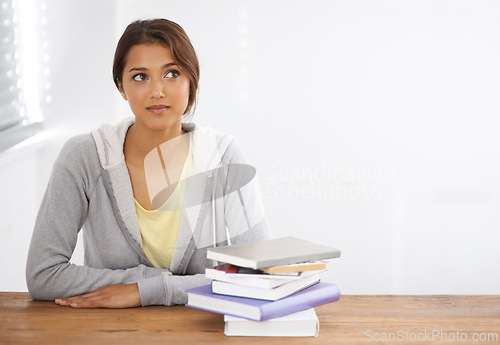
142	69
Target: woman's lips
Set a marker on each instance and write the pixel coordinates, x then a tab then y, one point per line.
158	109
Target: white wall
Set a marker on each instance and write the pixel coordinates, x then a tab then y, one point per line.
371	123
81	40
18	207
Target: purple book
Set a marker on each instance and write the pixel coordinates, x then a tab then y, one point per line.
257	309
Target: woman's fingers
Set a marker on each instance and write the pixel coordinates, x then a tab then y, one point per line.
76	299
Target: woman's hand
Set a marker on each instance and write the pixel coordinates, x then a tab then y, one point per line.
111	296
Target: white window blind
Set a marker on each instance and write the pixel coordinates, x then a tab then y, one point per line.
10	79
19	111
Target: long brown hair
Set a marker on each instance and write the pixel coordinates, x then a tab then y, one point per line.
164	32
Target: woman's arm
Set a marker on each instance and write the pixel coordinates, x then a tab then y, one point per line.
49	273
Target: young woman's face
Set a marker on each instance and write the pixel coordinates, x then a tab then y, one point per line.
154	86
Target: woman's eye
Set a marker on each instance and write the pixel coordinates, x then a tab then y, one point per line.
172	74
139	77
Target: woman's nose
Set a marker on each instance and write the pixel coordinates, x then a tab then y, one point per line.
157	89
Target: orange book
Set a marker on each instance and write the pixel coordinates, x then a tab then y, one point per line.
300	267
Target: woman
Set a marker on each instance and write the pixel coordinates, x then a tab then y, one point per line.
151	192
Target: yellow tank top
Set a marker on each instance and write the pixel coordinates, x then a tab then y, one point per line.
160	228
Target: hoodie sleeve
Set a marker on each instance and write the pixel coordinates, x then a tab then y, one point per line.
243	208
49	272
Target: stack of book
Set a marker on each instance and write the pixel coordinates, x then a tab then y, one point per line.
267	288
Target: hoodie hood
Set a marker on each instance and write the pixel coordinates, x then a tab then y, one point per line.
209	144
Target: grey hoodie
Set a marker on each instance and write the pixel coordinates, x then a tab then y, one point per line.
90	188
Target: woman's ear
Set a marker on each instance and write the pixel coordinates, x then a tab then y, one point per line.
120	89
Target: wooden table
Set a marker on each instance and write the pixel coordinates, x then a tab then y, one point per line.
352	320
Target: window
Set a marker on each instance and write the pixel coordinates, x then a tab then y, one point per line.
21	28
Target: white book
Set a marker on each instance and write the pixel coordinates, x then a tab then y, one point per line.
301	324
279	292
269	253
266	281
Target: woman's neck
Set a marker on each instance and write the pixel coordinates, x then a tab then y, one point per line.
139	141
